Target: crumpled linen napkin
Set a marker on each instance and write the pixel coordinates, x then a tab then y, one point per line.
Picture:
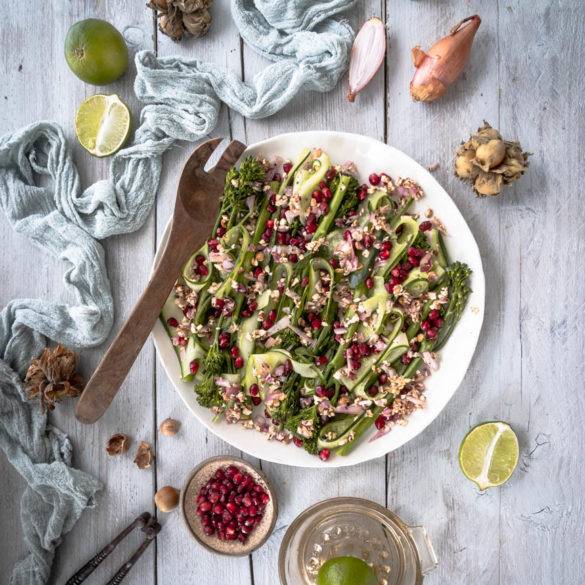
309	50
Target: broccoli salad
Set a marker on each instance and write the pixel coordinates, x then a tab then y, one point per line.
316	309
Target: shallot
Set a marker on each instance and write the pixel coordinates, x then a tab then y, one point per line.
444	62
367	54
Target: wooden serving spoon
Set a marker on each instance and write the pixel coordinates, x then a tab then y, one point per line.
196	208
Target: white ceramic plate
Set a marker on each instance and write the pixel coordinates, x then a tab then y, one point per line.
369	156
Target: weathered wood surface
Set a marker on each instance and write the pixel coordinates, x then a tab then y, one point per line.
525	76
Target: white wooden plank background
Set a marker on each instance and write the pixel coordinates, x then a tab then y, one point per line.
525	77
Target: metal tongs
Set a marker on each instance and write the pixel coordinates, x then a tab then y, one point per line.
147	524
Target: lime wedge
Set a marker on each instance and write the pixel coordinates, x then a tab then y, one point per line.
102	124
489	454
346	571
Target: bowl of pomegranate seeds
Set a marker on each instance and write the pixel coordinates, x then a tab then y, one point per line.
229	506
335	307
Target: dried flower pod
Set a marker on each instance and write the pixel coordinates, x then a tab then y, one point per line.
188	6
169	427
197	23
444	62
53	376
489	161
490	154
171	24
118	444
160	5
144	456
167	498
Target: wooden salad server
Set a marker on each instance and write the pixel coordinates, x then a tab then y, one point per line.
196	207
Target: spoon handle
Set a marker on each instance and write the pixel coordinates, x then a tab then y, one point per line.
114	366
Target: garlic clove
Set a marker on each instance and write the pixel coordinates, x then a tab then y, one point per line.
367	54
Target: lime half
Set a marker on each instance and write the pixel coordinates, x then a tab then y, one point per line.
489	454
346	571
102	124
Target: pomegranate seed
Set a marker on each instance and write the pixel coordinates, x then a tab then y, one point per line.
374	179
384	254
181	341
257	271
205	506
330	174
425	226
323	392
239	362
362	192
252	305
234	351
324	454
347	235
413	261
425	325
382	378
287	167
270	208
220	231
380	422
386	245
304	281
297	442
316	323
212	245
172	322
254	390
311	228
272	315
334	263
434	315
327	193
372	390
431	333
438	323
369	282
202	270
321	360
256	400
224	340
368	241
267	324
405	359
270	223
194	366
317	196
246	313
293	258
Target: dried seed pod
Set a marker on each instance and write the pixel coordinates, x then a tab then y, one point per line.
144	456
464	167
169	427
489	161
490	154
118	444
171	24
488	184
197	23
187	6
160	5
167	498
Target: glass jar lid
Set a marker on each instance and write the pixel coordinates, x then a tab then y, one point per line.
399	554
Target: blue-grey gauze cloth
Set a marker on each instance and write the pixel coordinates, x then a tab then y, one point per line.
41	194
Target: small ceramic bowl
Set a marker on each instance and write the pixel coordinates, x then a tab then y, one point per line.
197	479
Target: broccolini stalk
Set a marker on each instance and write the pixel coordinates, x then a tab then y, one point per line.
208	393
289	406
344	188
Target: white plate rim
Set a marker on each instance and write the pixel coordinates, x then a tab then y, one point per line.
258	446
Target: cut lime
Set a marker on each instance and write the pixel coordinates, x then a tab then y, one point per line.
102	124
346	571
489	454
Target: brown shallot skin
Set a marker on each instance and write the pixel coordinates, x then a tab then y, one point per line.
438	68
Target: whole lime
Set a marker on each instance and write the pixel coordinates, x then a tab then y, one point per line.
96	51
346	571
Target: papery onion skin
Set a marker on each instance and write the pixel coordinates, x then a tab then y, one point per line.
367	54
437	69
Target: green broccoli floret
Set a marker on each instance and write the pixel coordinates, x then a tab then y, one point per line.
289	339
289	406
208	393
307	414
421	241
214	362
240	184
350	197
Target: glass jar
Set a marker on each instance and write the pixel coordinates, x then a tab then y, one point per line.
398	553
